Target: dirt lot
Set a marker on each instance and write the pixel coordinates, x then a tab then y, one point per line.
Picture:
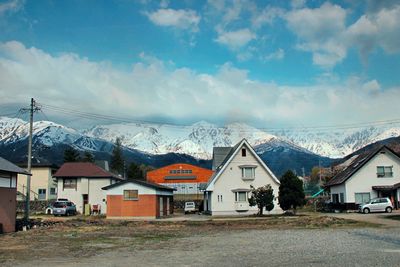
101	242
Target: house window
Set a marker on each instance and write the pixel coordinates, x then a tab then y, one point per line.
41	194
248	172
241	196
53	191
219	198
362	197
341	197
131	195
243	152
69	184
384	171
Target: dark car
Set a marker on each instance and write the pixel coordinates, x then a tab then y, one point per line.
64	208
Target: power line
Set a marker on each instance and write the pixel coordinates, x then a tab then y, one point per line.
312	128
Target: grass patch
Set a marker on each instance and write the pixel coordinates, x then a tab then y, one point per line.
393	217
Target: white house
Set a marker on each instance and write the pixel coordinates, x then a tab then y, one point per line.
370	175
82	183
236	170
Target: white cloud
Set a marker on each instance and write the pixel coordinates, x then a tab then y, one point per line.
11	6
320	31
156	88
277	55
182	19
267	16
235	39
377	29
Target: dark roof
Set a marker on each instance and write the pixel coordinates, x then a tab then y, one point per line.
356	164
7	166
140	182
229	153
219	155
83	169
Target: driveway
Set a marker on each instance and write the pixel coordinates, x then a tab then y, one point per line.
378	218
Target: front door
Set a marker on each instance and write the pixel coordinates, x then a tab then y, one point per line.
161	207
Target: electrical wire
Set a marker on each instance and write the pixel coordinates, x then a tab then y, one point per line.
313	128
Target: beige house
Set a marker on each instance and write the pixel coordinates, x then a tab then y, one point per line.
43	185
82	183
237	169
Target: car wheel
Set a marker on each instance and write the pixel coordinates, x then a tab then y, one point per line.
389	210
366	210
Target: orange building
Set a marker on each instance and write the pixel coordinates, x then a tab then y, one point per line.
188	180
138	199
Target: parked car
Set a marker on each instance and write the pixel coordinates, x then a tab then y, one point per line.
376	205
190	207
64	208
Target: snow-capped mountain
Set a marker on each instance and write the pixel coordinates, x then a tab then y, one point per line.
196	140
339	143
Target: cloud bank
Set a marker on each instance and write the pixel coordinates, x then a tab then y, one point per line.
156	88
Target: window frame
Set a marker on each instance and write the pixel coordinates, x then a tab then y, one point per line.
129	197
237	196
384	171
70	185
362	197
252	174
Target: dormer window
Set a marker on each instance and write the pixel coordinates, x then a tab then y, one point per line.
243	152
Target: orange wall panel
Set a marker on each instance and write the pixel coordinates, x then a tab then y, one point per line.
202	175
145	206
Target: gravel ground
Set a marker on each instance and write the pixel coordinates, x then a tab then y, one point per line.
300	247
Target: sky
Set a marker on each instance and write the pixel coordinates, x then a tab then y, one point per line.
265	63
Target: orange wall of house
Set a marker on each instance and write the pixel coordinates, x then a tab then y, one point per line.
158	176
8	204
145	206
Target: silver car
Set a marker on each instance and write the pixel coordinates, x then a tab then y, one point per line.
382	204
64	208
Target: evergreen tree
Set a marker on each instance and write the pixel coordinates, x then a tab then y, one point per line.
88	157
291	192
134	172
262	197
117	159
71	155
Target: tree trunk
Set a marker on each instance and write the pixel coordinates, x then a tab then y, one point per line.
260	210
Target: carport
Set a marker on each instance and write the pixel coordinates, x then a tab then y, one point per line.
390	191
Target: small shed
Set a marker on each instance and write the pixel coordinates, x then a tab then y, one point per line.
138	199
8	194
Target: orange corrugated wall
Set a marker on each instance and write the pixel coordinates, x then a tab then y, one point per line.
157	176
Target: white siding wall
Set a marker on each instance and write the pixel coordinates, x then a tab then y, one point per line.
142	190
90	186
337	189
363	180
231	179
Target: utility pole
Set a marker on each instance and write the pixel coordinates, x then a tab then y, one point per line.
33	108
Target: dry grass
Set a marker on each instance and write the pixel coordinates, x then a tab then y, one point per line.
88	237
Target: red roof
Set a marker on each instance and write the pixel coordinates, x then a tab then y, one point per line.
83	169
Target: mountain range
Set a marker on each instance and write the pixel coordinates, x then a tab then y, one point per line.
162	144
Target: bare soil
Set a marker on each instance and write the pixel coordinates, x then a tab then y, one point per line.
75	238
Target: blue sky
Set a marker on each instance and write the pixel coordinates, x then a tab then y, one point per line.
261	62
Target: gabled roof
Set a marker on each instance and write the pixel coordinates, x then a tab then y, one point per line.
357	164
220	169
7	166
83	169
139	182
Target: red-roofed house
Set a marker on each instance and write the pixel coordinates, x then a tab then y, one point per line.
81	183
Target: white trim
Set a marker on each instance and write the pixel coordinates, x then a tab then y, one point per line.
210	185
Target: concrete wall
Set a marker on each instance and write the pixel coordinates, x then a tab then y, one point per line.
91	187
231	179
41	179
363	180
